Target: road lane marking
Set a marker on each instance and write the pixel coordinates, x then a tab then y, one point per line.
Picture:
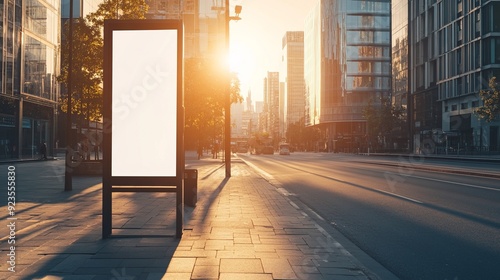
450	182
262	172
270	177
316	214
400	196
294	205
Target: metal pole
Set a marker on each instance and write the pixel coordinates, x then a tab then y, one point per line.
68	180
227	130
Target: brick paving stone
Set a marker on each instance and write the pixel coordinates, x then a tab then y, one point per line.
205	272
280	268
70	264
207	261
246	276
176	276
242	228
241	266
181	265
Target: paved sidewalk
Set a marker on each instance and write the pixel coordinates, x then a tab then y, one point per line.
242	228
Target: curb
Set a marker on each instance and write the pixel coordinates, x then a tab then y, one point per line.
435	169
462	158
369	266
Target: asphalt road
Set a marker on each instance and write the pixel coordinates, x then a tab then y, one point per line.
419	224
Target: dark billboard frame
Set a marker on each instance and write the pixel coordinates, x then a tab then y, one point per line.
140	182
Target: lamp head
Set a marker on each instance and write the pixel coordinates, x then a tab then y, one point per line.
237	10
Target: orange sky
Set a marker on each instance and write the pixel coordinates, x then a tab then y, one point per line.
256	39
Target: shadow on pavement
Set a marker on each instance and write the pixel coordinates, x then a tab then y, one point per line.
58	233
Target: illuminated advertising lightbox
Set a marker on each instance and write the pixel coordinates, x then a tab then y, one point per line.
144	103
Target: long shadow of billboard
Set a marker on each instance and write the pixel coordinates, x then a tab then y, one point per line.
58	233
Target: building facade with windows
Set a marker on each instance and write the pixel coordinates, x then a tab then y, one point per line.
272	105
454	51
29	65
204	24
400	63
400	53
293	78
81	9
347	65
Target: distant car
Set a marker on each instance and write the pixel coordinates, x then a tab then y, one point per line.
284	149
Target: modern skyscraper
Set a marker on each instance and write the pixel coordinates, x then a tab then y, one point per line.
259	111
425	110
347	65
282	110
249	120
400	52
455	50
293	77
29	65
237	113
272	95
400	62
203	23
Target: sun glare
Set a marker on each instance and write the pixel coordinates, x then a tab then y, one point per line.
236	56
241	61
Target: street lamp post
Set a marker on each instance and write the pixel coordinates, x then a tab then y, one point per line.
227	117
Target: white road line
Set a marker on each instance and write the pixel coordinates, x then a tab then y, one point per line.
284	192
262	172
317	215
294	205
449	182
400	196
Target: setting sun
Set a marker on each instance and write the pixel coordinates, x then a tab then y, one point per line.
242	61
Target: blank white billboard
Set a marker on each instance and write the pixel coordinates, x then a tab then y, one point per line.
144	96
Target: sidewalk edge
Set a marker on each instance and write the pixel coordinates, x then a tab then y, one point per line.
370	267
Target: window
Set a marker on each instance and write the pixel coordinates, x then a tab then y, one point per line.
459	86
454	107
464	105
495	6
459	32
446	108
497	50
475	104
477	60
478	23
488	51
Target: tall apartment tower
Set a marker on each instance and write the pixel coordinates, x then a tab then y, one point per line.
29	66
454	51
293	77
347	65
400	63
400	53
272	104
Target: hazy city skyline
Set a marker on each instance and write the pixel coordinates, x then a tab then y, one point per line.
256	40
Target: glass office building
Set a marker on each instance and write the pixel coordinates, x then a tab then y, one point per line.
400	53
400	63
29	65
293	77
455	50
272	105
204	28
347	65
